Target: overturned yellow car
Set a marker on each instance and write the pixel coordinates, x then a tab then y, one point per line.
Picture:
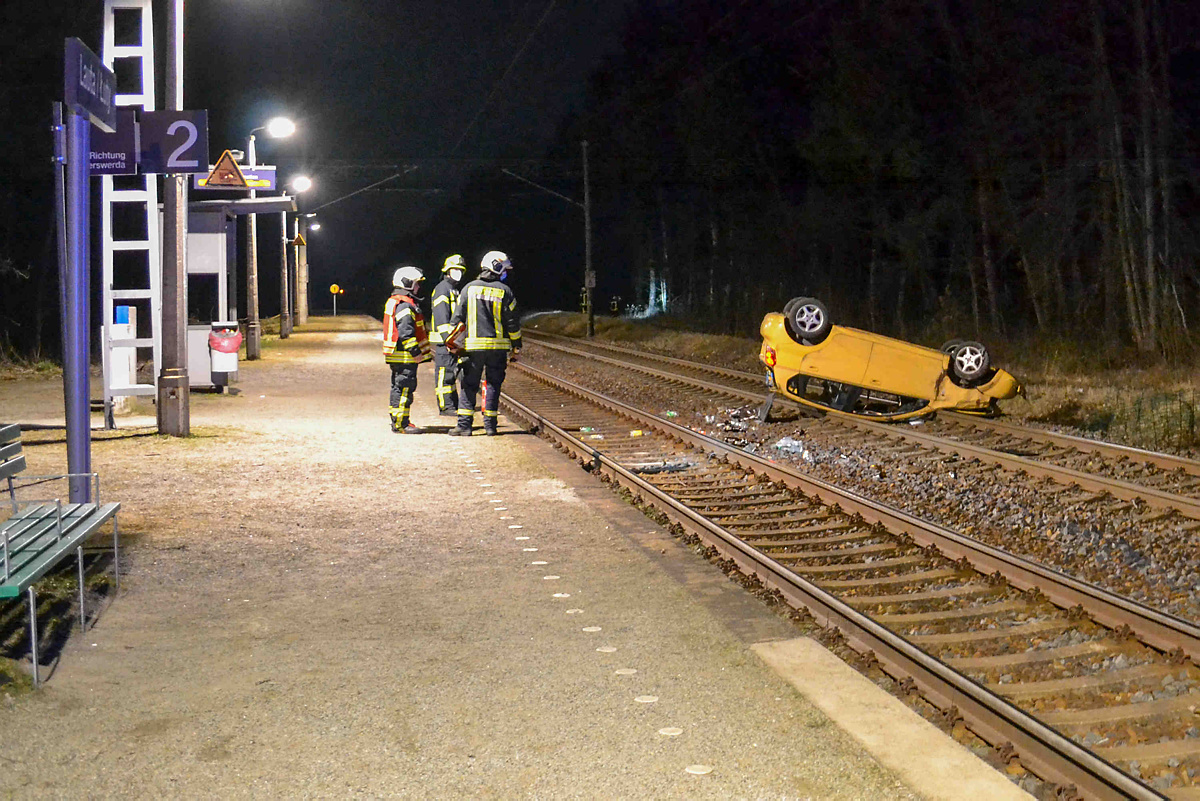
847	371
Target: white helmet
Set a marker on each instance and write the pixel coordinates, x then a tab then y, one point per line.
408	278
494	261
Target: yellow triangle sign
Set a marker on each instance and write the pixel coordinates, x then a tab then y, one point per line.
299	240
226	173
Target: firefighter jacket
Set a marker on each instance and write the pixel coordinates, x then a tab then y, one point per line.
404	338
445	297
489	311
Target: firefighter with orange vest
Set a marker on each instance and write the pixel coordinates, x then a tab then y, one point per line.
445	363
405	344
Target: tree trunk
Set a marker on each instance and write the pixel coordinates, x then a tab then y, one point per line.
989	266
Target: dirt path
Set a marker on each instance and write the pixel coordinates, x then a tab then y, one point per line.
314	606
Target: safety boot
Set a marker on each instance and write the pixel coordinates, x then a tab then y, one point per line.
491	430
409	428
459	431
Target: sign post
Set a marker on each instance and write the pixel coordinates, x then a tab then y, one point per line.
336	290
89	89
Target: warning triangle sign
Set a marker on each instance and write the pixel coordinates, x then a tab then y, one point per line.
226	173
299	240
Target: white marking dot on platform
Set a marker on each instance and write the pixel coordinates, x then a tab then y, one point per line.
562	595
522	537
607	649
539	563
625	671
485	485
647	699
505	517
592	628
493	500
476	470
671	731
574	611
501	509
529	550
516	525
698	770
488	492
551	578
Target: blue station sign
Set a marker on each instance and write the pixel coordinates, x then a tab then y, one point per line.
115	153
89	86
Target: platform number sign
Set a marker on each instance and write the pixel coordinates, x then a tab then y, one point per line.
174	141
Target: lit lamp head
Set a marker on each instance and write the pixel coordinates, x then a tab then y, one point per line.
302	183
280	127
314	226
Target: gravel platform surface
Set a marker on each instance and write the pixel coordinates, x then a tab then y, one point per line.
313	606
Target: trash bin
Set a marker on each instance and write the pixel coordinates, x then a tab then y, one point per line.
223	343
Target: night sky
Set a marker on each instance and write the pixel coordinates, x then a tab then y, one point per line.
381	83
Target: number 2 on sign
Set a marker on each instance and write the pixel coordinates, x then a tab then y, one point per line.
192	135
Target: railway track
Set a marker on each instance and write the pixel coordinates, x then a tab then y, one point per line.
1110	477
1091	691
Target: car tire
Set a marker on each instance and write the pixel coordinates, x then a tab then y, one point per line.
808	320
970	361
950	345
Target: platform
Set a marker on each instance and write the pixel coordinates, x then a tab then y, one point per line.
314	606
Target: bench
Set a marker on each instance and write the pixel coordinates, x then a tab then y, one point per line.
40	533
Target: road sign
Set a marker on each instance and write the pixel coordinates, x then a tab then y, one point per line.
260	178
299	240
115	153
90	88
225	175
174	141
334	289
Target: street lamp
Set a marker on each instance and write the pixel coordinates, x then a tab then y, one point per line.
275	128
300	183
301	261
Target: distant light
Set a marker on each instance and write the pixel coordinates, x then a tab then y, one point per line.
280	126
315	227
302	183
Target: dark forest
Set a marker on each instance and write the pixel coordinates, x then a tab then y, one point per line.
1014	171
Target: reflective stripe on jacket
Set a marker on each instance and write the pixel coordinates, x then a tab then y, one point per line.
445	296
404	338
489	310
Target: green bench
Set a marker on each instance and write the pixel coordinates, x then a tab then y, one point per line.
40	533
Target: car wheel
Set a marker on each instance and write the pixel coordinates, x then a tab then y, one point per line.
809	319
950	345
969	361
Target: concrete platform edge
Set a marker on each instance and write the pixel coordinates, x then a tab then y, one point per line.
925	758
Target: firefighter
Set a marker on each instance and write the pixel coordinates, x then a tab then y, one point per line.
488	309
405	344
445	363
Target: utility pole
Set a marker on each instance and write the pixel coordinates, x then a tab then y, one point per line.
253	326
301	317
174	416
589	276
285	294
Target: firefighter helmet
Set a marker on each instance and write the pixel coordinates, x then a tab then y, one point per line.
494	261
408	278
454	262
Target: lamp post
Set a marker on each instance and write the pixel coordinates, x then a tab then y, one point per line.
301	260
301	183
172	407
276	128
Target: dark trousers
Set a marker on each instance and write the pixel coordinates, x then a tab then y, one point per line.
404	384
481	364
445	366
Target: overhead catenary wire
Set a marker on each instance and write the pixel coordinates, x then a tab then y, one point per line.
504	76
363	189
